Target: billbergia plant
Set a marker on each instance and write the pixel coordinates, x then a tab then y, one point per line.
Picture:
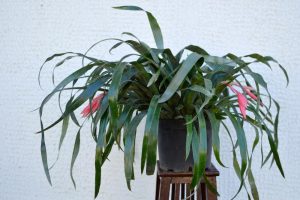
154	83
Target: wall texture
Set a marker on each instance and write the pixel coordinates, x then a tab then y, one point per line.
32	30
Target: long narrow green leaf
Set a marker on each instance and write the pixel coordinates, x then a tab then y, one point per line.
49	59
276	121
238	172
98	164
272	145
86	94
210	186
189	136
236	165
202	150
180	76
44	155
252	183
153	23
102	130
63	83
65	125
74	155
152	142
156	31
196	49
113	96
275	152
215	126
195	150
129	146
265	60
241	141
200	89
208	87
99	152
148	125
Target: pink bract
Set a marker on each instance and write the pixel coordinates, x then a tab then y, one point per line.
243	102
93	106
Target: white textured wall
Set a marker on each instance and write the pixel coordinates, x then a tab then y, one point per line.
32	30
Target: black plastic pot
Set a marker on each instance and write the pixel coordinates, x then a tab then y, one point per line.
171	146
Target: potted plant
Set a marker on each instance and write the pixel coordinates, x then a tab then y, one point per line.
185	98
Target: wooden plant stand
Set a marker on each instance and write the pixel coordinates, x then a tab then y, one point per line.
177	185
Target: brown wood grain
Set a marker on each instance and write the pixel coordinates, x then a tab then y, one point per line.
180	185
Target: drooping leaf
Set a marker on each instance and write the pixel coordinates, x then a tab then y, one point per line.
44	155
215	126
210	186
189	136
74	155
198	173
152	142
98	164
241	140
64	130
195	150
252	184
113	96
148	128
129	146
153	23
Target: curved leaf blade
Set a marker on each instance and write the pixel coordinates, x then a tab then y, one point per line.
152	142
153	24
44	155
129	147
180	76
74	155
148	125
215	126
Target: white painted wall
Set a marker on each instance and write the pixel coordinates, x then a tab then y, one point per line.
32	30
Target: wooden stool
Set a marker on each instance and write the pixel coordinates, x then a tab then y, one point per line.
179	183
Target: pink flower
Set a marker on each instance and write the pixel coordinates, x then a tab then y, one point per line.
248	91
243	103
94	105
242	100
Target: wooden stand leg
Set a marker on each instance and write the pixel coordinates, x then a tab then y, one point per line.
164	188
211	195
180	185
188	192
177	191
157	187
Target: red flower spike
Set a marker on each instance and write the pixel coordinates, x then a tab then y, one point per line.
91	108
250	94
243	103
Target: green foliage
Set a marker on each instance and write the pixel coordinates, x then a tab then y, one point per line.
161	85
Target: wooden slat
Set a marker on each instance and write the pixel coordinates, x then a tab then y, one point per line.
157	187
188	192
177	191
180	182
164	188
181	179
211	195
203	191
211	171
